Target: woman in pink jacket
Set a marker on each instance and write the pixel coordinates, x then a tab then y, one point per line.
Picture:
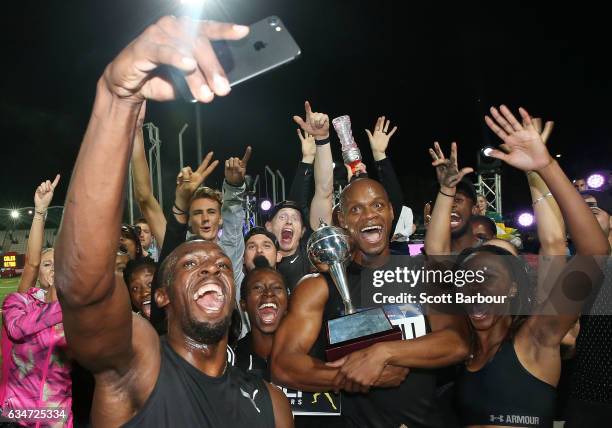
36	388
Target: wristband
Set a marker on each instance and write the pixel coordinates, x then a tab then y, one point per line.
445	194
322	142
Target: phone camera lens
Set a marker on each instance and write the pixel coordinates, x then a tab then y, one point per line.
273	22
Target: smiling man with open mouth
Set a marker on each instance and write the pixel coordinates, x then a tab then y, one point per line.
287	224
138	276
264	298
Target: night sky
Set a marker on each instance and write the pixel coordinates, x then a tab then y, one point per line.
433	69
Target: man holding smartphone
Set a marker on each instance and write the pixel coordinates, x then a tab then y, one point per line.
142	380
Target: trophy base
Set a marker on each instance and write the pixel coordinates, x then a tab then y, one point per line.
357	331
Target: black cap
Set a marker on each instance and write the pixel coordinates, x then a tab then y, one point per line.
603	198
286	204
466	187
258	230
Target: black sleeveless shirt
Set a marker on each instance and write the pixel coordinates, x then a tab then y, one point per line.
504	393
412	404
185	397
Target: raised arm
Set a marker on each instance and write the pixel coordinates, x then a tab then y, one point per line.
549	221
148	205
317	125
301	191
528	153
549	224
42	200
232	211
438	237
379	141
85	268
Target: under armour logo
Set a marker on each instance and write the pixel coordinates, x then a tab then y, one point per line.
499	418
251	399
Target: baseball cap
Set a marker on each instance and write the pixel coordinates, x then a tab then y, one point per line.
286	204
258	230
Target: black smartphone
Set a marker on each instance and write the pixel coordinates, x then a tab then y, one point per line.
268	46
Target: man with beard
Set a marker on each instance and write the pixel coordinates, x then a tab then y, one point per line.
258	242
142	380
138	276
377	390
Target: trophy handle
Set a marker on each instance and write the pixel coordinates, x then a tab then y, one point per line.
338	275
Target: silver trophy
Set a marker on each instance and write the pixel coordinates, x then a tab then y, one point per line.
329	245
350	152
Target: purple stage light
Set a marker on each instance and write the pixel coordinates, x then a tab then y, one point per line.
265	205
596	181
525	219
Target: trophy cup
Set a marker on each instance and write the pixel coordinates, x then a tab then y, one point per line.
329	245
350	152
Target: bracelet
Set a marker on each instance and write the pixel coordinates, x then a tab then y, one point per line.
541	198
442	193
180	211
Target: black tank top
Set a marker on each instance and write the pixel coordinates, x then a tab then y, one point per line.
504	393
412	404
295	266
248	360
185	397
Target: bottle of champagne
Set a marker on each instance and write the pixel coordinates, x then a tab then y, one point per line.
350	152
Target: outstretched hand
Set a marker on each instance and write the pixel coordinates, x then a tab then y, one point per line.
44	194
379	138
309	148
316	124
235	168
525	145
182	43
188	181
447	170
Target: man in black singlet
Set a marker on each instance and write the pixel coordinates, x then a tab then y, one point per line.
377	389
183	379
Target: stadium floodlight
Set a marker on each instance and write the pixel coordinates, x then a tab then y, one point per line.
14	214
